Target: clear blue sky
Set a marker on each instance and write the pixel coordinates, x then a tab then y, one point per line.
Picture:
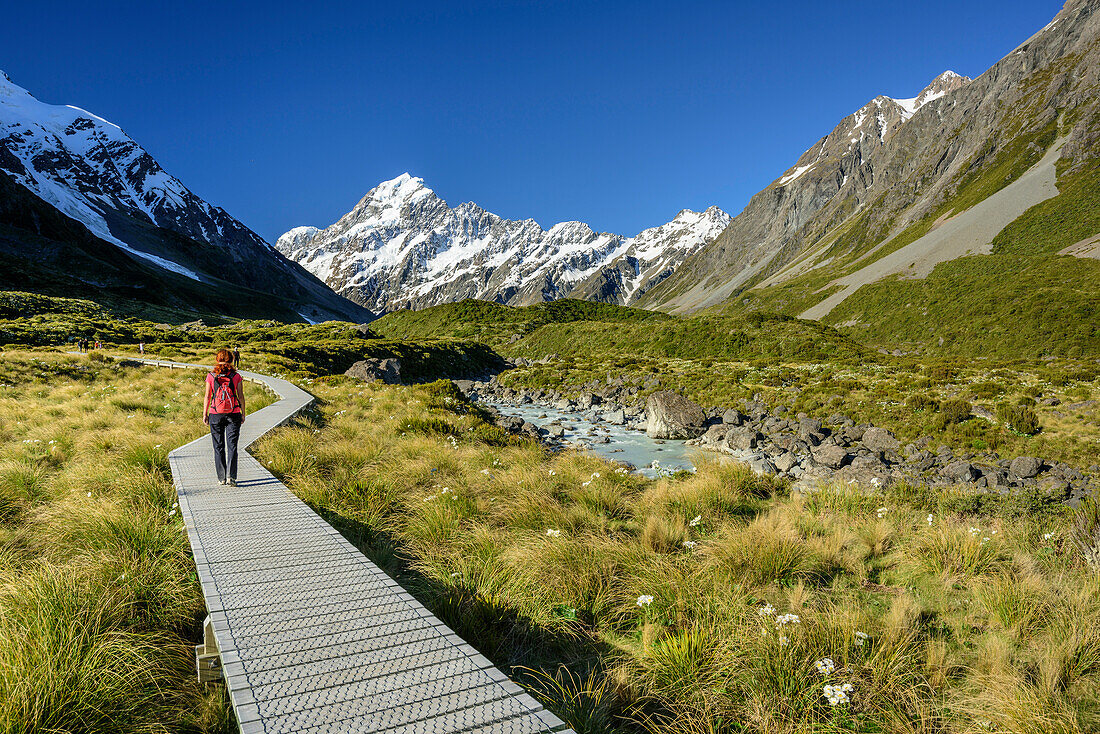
615	113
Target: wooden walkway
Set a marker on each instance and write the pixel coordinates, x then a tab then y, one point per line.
312	636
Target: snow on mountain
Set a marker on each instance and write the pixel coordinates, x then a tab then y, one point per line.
403	246
92	171
71	161
871	125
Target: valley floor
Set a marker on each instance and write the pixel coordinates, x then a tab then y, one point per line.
709	602
718	601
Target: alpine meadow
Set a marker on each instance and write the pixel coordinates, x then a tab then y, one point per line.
829	464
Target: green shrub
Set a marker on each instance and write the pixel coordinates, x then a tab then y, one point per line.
1019	418
985	390
952	412
939	373
919	402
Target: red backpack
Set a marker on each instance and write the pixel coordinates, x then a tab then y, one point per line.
225	394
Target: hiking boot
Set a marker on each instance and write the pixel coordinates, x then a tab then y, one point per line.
231	482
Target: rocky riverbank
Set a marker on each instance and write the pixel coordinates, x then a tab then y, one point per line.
804	449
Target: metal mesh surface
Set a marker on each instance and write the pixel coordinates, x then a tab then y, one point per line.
313	636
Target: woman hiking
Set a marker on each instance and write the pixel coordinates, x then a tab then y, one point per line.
223	411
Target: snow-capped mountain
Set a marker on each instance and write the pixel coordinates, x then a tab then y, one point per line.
89	170
871	125
829	183
403	246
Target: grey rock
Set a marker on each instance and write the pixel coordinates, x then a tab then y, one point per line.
743	440
715	434
1025	467
615	417
785	461
830	455
733	417
374	370
762	466
671	415
879	439
961	471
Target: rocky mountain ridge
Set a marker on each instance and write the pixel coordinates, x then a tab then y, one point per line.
403	246
87	170
888	173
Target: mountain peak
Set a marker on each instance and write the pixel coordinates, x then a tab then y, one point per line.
946	82
402	188
943	84
403	245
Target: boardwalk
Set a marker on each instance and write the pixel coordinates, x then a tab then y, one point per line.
312	636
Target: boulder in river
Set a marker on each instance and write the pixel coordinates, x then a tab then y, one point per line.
615	417
671	415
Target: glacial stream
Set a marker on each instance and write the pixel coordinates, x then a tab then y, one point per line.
622	444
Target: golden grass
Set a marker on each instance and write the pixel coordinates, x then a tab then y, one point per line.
545	560
99	603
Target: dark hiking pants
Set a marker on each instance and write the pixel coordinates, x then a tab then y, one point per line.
225	428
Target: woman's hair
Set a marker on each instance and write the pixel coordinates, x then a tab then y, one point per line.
223	362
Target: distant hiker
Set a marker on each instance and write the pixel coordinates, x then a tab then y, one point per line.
141	347
223	411
80	344
98	344
236	358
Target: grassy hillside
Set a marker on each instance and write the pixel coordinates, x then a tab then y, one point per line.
578	329
1024	300
495	324
991	305
758	336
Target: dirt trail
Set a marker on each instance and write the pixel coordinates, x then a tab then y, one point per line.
970	232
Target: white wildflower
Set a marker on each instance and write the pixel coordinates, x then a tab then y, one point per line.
645	600
825	666
930	519
689	544
784	640
696	520
553	533
785	619
881	512
837	695
766	611
1048	536
861	637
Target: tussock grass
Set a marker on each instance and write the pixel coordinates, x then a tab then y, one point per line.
99	603
547	562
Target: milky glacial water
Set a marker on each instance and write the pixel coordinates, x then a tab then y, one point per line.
632	447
